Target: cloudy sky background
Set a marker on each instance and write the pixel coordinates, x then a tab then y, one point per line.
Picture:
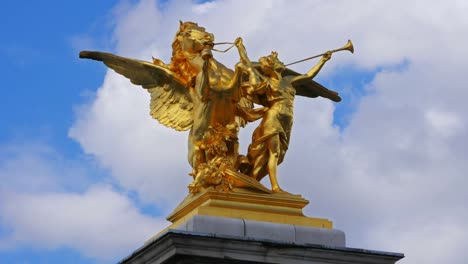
86	176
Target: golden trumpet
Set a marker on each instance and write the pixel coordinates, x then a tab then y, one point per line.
349	46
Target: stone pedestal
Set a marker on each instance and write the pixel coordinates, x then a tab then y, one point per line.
207	239
279	208
242	228
250	227
183	247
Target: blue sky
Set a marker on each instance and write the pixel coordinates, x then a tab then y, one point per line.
41	68
84	180
42	83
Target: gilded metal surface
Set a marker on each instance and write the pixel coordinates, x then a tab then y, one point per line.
195	91
247	204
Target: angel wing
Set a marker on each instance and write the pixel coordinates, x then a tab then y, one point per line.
170	104
311	88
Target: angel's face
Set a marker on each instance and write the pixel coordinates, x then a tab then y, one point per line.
271	63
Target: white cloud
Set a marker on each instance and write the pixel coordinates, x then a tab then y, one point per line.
99	223
36	167
445	124
49	202
393	179
141	154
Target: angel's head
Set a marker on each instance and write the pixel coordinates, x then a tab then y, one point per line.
271	63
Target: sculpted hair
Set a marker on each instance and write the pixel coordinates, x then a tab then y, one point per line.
179	63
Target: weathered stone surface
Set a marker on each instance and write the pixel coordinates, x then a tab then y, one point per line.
264	230
215	225
321	236
180	247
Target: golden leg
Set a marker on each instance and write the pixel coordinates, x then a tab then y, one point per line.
274	149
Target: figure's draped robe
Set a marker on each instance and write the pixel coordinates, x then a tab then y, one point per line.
277	120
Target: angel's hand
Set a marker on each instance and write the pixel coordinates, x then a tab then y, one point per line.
327	56
238	42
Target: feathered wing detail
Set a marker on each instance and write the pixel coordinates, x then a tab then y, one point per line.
171	108
311	88
170	102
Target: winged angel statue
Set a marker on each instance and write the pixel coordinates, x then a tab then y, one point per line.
195	91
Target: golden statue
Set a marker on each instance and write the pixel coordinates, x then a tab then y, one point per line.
270	139
195	91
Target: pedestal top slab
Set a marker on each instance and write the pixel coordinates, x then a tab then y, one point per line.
280	208
263	230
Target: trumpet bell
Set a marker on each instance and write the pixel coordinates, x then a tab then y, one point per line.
349	46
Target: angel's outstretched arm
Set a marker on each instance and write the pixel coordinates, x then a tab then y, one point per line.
315	70
242	52
244	66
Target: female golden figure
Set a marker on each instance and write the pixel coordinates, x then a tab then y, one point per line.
270	139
